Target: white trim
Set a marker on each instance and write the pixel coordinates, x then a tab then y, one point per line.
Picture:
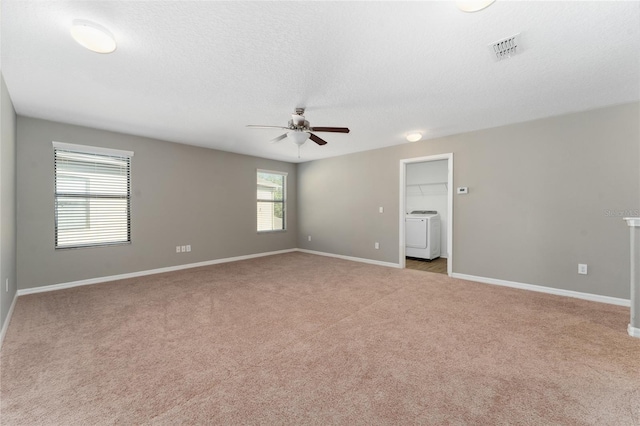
450	217
7	320
403	203
549	290
353	259
632	221
494	281
99	280
92	149
276	172
633	331
285	201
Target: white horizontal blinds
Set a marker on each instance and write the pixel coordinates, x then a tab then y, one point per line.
271	190
92	198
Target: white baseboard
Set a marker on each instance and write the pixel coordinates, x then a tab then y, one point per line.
538	288
633	331
543	289
353	259
7	320
99	280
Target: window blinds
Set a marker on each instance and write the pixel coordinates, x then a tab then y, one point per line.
92	196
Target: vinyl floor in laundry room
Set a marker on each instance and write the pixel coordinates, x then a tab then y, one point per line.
439	265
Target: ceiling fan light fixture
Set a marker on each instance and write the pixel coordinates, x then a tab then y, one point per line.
299	131
473	5
93	36
298	137
414	136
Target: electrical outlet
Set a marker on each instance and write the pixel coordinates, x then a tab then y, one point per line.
188	248
377	245
309	237
582	268
177	249
381	209
183	248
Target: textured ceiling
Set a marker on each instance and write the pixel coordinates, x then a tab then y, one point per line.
197	72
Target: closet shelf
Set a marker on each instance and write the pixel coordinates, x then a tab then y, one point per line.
431	188
427	183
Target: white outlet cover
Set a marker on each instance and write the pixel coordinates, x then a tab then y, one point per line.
381	209
188	248
582	269
177	249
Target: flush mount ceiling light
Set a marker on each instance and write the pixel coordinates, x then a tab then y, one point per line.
414	137
473	5
93	36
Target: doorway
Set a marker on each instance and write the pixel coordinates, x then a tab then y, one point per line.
426	184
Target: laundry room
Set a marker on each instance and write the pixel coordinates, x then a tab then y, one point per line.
427	206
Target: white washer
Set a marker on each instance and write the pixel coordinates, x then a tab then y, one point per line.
422	234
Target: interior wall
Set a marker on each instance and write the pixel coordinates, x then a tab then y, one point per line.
426	189
543	196
180	195
7	202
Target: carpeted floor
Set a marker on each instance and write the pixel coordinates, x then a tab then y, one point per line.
304	339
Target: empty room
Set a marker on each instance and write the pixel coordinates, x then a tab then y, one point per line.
310	212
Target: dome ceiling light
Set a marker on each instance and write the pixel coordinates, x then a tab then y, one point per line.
414	136
93	36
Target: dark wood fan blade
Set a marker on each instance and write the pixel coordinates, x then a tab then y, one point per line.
256	126
317	139
331	129
279	138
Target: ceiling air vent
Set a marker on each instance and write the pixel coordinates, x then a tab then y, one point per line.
505	48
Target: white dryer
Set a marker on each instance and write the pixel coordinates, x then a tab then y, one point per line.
422	234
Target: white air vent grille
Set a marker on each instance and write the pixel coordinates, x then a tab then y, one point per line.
505	48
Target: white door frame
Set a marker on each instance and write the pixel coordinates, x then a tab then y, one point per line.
403	204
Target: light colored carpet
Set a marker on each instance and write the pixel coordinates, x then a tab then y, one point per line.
304	339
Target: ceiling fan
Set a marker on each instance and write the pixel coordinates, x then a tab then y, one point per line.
298	130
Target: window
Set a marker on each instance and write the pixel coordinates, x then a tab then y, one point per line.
272	187
92	196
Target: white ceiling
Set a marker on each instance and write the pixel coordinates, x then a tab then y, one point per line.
197	72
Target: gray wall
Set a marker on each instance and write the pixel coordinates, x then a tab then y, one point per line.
7	201
180	195
543	196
